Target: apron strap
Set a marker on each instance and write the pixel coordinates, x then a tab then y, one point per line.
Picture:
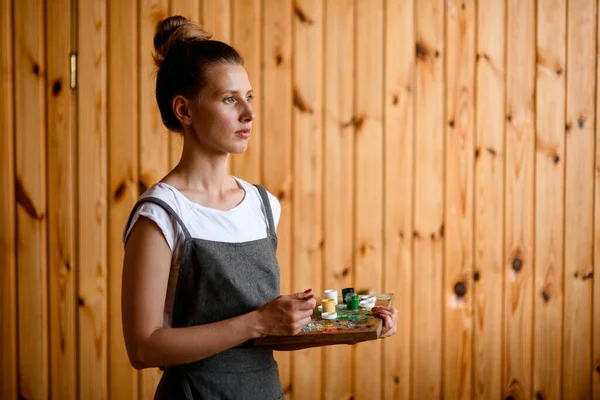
166	207
268	211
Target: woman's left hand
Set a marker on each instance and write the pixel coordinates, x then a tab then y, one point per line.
390	318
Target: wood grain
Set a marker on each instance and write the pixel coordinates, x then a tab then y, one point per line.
61	203
549	198
368	188
579	198
215	17
8	273
122	178
30	191
92	200
398	191
489	198
596	298
338	164
459	180
519	199
429	200
246	38
307	136
276	162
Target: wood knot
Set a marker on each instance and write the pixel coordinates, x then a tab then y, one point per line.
476	276
56	87
120	191
420	52
598	369
80	302
395	100
509	118
589	275
568	127
545	296
36	69
302	15
460	289
300	103
451	123
345	272
538	396
556	159
517	264
68	266
396	380
416	234
477	152
288	389
492	151
437	54
278	59
281	195
580	122
559	71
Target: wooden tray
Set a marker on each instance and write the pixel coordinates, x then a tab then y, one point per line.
350	327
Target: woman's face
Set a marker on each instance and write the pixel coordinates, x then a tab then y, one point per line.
222	115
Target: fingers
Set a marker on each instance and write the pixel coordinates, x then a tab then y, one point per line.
389	316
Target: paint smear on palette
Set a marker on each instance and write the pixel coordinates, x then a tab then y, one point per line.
346	320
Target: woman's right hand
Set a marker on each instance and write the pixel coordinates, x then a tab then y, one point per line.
286	315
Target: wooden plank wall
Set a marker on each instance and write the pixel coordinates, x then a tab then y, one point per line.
446	151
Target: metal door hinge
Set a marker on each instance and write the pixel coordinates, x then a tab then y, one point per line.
73	68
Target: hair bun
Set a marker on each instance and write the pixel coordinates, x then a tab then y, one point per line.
174	30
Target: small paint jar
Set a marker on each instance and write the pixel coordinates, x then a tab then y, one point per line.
328	305
331	294
352	301
345	292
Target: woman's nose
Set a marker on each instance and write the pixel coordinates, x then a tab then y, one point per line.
247	113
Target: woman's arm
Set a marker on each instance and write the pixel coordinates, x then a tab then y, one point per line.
146	270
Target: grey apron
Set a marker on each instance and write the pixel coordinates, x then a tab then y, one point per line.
216	281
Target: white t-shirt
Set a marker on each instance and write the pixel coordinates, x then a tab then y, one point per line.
243	223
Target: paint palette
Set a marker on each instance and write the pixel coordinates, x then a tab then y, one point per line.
350	326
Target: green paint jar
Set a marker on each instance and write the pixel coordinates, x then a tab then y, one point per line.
352	301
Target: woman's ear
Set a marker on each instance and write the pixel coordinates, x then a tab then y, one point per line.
182	110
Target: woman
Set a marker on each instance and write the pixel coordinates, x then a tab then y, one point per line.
200	276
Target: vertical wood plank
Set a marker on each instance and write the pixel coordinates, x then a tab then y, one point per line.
92	199
122	178
596	299
338	164
549	198
30	125
61	204
519	211
579	200
191	10
489	194
8	281
246	38
429	200
153	135
307	177
277	144
368	193
215	17
398	190
458	250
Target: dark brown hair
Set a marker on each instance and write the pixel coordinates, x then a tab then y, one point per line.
183	54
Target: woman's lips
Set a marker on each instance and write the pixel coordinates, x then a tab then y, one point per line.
244	133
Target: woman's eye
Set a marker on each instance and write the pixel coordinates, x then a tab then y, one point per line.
249	98
229	100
